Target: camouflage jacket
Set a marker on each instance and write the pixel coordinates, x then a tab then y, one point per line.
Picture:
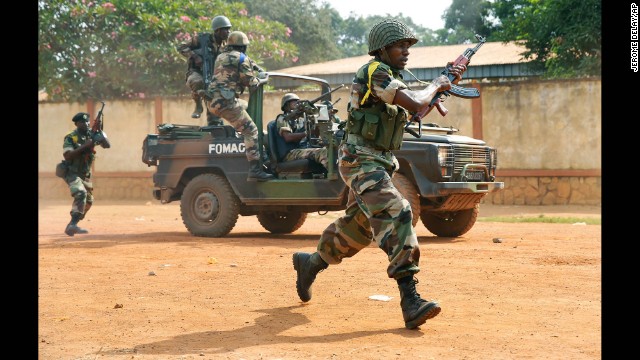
186	48
81	165
233	72
385	81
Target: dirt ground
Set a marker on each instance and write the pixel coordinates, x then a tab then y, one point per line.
139	286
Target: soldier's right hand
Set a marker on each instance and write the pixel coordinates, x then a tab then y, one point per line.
197	59
87	144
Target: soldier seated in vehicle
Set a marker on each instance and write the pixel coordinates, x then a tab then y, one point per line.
292	135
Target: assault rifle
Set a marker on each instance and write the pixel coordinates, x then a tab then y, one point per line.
97	129
208	61
307	106
458	91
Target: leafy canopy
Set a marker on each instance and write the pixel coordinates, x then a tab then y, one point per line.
127	48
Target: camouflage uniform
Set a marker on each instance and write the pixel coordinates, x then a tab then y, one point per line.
300	149
233	72
376	210
193	76
78	177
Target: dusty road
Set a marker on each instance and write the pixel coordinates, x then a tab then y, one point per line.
140	287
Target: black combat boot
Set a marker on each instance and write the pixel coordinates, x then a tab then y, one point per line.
256	172
307	266
415	310
73	228
198	110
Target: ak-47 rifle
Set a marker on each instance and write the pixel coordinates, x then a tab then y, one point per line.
459	91
208	61
97	129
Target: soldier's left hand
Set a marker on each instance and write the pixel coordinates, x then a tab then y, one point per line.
457	71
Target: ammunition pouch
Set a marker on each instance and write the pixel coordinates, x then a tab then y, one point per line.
62	169
382	126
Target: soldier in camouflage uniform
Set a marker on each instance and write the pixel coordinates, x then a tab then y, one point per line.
221	27
78	151
376	211
233	72
292	133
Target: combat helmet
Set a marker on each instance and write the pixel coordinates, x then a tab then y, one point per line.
286	98
237	38
387	32
220	21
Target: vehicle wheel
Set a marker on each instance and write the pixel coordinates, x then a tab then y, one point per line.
450	224
409	191
208	206
281	222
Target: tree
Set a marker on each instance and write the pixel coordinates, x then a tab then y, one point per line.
563	37
353	35
464	19
127	48
310	27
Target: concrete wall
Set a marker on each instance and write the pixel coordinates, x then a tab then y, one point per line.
548	136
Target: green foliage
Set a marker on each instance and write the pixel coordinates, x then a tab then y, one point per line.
465	18
563	37
353	35
127	48
311	28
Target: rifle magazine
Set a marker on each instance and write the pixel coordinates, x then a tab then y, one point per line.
464	92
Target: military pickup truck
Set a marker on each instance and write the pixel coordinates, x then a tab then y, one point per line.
444	176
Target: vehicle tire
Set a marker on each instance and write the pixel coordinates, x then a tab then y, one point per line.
450	224
409	191
281	222
208	206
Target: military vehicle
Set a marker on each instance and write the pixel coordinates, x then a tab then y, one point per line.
444	176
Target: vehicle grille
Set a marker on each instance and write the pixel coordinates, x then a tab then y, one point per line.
466	154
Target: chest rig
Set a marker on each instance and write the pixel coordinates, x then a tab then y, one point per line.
375	123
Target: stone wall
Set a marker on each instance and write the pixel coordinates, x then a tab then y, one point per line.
548	191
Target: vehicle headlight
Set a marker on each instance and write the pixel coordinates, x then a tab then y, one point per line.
445	160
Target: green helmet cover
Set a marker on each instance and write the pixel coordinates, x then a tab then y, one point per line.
388	32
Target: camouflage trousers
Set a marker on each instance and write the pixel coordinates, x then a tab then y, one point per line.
82	193
195	82
376	211
234	111
318	155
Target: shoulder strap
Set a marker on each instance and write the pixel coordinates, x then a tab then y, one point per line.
241	60
372	67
